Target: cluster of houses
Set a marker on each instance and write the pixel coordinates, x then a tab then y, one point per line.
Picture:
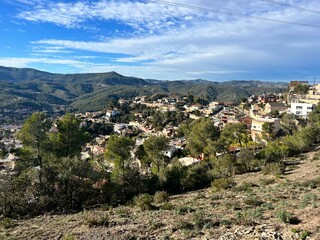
262	109
8	142
257	111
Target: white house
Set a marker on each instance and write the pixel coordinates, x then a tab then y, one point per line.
302	109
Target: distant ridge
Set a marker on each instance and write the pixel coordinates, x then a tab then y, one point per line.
28	74
26	88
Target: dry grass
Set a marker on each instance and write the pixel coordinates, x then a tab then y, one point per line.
256	201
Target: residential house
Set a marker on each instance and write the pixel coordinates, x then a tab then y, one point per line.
257	129
246	120
187	161
111	113
215	106
196	106
302	110
275	106
294	84
267	98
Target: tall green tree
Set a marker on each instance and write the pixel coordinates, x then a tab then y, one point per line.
202	133
235	133
34	135
118	152
267	131
71	180
70	137
288	123
155	147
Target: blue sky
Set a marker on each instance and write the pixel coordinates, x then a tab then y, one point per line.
161	40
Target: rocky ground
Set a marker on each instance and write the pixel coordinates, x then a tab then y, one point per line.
258	207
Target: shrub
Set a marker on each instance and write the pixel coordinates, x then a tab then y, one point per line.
267	205
184	210
308	198
160	197
222	184
266	181
248	218
316	156
287	217
199	219
314	183
68	237
7	223
304	234
97	220
246	187
183	225
167	206
144	201
275	169
252	201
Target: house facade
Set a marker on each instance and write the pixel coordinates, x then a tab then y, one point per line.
302	109
257	129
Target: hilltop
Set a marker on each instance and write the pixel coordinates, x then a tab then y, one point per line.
258	207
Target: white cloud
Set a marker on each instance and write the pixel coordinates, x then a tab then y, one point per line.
136	14
185	42
146	15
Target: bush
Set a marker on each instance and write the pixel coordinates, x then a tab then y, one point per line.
68	237
304	234
266	181
167	206
199	219
314	183
183	225
316	156
7	223
287	217
184	210
222	184
97	220
253	201
144	201
160	197
275	169
246	187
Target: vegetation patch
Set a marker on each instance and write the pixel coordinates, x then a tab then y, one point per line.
222	184
144	201
287	217
7	223
160	197
97	220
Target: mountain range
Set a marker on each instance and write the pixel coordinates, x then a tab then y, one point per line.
25	88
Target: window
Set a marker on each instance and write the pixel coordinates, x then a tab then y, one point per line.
299	107
298	112
310	108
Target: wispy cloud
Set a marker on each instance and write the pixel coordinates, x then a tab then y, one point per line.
140	15
179	41
144	15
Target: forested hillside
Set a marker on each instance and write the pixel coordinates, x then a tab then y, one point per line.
37	90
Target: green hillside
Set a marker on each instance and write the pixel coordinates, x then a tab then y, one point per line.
37	90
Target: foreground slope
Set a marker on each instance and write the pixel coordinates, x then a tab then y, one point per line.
258	207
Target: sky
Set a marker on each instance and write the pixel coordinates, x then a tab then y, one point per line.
219	40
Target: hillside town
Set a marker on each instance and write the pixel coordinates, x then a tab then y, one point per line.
259	114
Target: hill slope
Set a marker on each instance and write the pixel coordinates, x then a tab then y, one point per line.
258	207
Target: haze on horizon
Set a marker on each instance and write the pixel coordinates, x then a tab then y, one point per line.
164	40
